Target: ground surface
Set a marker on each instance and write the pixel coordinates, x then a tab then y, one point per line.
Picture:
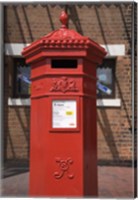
113	181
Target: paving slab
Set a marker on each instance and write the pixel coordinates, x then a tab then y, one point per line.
113	182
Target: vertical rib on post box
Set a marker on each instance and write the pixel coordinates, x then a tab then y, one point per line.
63	150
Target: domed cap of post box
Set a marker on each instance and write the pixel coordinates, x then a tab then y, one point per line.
63	39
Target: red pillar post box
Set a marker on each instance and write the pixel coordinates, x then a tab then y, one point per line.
63	141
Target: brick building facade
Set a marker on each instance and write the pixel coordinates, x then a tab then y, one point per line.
109	24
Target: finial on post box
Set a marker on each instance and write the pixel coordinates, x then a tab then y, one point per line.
64	19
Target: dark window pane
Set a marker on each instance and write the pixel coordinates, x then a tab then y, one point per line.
22	78
106	81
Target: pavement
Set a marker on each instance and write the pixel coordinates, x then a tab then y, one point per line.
113	182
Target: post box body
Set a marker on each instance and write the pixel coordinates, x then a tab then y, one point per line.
63	160
63	141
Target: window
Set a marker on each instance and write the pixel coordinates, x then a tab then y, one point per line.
21	78
105	75
106	79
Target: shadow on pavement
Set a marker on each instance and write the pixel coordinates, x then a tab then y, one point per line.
14	171
12	168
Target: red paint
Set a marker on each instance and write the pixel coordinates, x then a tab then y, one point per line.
63	161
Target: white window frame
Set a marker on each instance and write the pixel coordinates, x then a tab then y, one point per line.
15	49
100	102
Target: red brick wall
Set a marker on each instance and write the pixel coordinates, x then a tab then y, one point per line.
104	23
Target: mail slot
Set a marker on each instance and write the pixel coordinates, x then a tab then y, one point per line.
63	141
66	63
